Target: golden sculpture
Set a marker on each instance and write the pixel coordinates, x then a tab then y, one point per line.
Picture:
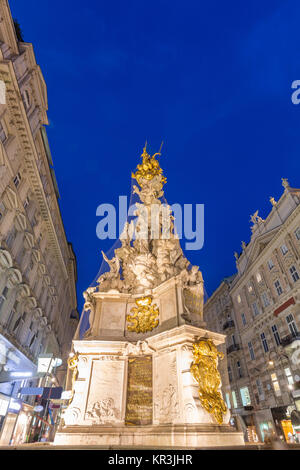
148	168
73	365
144	316
205	371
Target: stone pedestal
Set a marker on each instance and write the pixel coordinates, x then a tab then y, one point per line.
142	395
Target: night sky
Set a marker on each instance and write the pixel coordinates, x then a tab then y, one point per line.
211	79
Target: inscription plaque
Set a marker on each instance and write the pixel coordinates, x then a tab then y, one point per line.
139	391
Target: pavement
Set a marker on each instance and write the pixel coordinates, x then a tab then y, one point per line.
50	446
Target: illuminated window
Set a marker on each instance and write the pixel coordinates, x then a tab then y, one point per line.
228	401
275	384
250	288
258	277
234	399
245	396
289	376
239	299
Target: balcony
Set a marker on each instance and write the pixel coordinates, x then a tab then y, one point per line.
233	347
289	339
228	324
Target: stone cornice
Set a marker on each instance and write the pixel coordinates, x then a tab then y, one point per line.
16	107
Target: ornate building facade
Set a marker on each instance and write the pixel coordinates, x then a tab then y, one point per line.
38	305
265	297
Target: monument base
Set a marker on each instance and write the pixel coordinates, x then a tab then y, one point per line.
142	394
182	436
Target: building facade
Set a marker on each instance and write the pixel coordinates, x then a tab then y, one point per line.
265	296
38	305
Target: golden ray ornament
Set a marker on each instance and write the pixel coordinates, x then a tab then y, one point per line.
144	317
205	371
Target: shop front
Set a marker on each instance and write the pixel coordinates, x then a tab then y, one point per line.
283	423
250	428
22	425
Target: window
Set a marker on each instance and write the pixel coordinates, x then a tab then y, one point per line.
17	180
260	389
276	335
234	399
284	249
239	369
251	351
243	319
258	277
250	288
228	401
26	203
270	264
245	396
289	376
292	325
275	384
297	233
255	308
265	299
230	374
278	287
294	273
239	299
264	342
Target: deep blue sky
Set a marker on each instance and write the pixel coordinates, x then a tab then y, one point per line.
212	79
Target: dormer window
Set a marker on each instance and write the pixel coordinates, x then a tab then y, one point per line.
284	249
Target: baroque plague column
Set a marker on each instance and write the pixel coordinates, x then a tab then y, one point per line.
144	371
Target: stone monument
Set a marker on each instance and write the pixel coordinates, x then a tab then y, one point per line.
145	373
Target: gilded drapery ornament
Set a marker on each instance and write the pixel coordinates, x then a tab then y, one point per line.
205	371
73	366
143	318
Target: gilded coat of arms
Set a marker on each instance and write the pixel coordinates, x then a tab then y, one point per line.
144	317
